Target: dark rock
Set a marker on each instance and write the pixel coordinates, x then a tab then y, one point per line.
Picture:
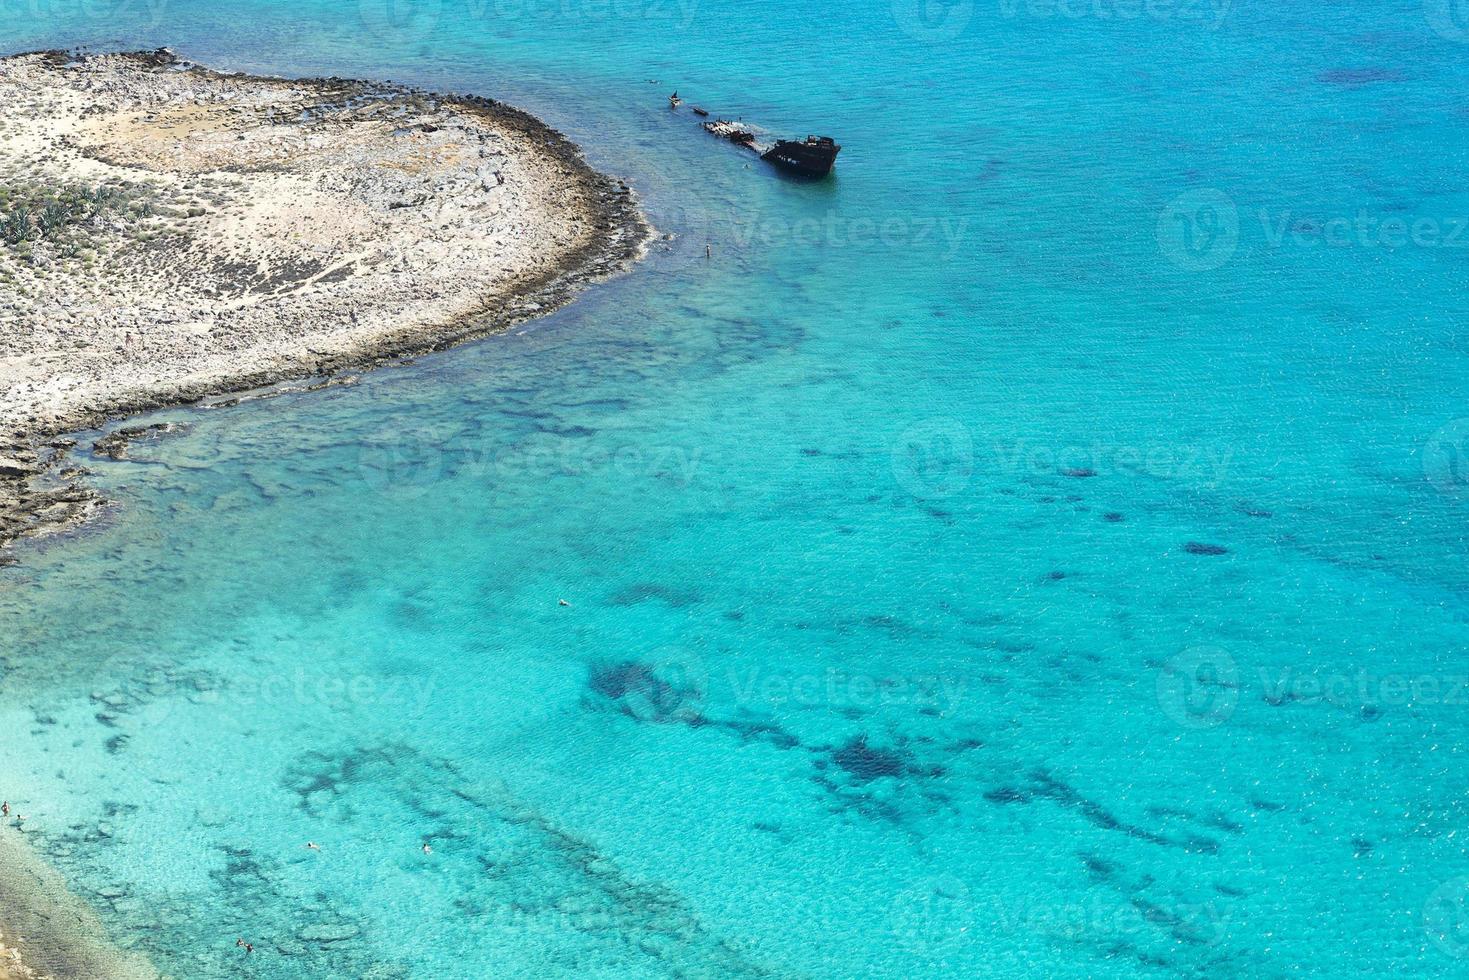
18	468
115	445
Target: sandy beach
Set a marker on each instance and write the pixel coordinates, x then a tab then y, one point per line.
45	930
168	232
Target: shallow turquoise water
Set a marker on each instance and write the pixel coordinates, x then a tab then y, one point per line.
887	653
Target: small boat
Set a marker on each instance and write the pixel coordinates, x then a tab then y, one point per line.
698	111
813	158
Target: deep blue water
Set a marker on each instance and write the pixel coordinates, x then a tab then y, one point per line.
1037	550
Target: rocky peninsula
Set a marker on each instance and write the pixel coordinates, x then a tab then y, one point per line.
169	232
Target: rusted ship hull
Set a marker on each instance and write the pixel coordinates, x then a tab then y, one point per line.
812	158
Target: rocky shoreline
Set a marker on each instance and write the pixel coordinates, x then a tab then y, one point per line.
170	233
48	933
187	233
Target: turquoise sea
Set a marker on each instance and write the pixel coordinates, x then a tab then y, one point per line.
1038	550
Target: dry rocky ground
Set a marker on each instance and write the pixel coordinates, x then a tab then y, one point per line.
168	232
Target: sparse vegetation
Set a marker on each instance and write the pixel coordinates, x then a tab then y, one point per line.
70	222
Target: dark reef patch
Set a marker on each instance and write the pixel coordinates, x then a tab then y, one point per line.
1045	786
749	730
1356	77
641	592
879	782
864	763
648	692
1004	795
1203	548
1099	868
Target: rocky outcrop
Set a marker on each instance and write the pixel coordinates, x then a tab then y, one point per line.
36	495
174	233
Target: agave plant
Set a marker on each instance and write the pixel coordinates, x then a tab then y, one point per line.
102	198
17	225
53	218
